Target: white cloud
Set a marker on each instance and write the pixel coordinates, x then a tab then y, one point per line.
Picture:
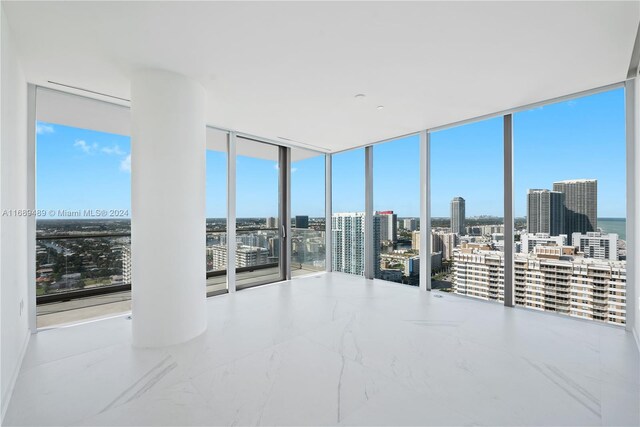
125	164
41	129
572	103
86	148
113	150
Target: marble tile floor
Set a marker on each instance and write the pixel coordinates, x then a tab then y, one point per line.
335	349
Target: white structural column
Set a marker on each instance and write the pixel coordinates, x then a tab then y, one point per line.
425	212
168	161
632	96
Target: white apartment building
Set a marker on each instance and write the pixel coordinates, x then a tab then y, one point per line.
595	244
577	286
348	245
478	273
246	256
126	264
548	279
530	240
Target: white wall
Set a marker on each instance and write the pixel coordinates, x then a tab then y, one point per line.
14	268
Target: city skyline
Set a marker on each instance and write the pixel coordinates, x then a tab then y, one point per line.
83	169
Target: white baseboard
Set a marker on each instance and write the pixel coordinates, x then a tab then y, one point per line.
14	377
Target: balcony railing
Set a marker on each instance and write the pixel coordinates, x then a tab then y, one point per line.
83	265
308	250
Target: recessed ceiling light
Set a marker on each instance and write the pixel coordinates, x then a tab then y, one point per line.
360	96
380	107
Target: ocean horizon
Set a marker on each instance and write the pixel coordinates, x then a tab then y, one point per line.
614	225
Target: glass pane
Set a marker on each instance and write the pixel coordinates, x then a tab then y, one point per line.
308	251
347	221
396	205
216	188
257	223
467	199
570	200
83	255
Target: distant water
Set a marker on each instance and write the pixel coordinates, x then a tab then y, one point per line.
614	225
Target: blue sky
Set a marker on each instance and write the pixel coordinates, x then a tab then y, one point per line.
582	138
82	169
257	186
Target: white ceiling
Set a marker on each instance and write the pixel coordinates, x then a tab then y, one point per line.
67	109
291	69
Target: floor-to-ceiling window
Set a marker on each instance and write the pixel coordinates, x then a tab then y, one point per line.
216	211
83	210
396	206
467	203
570	198
258	229
308	228
348	218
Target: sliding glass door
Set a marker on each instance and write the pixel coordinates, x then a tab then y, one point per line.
260	247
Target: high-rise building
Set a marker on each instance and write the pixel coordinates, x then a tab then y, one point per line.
529	241
415	240
458	216
271	222
577	286
478	273
217	257
388	226
347	232
444	242
126	264
248	256
595	244
410	224
581	205
548	280
302	221
545	212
